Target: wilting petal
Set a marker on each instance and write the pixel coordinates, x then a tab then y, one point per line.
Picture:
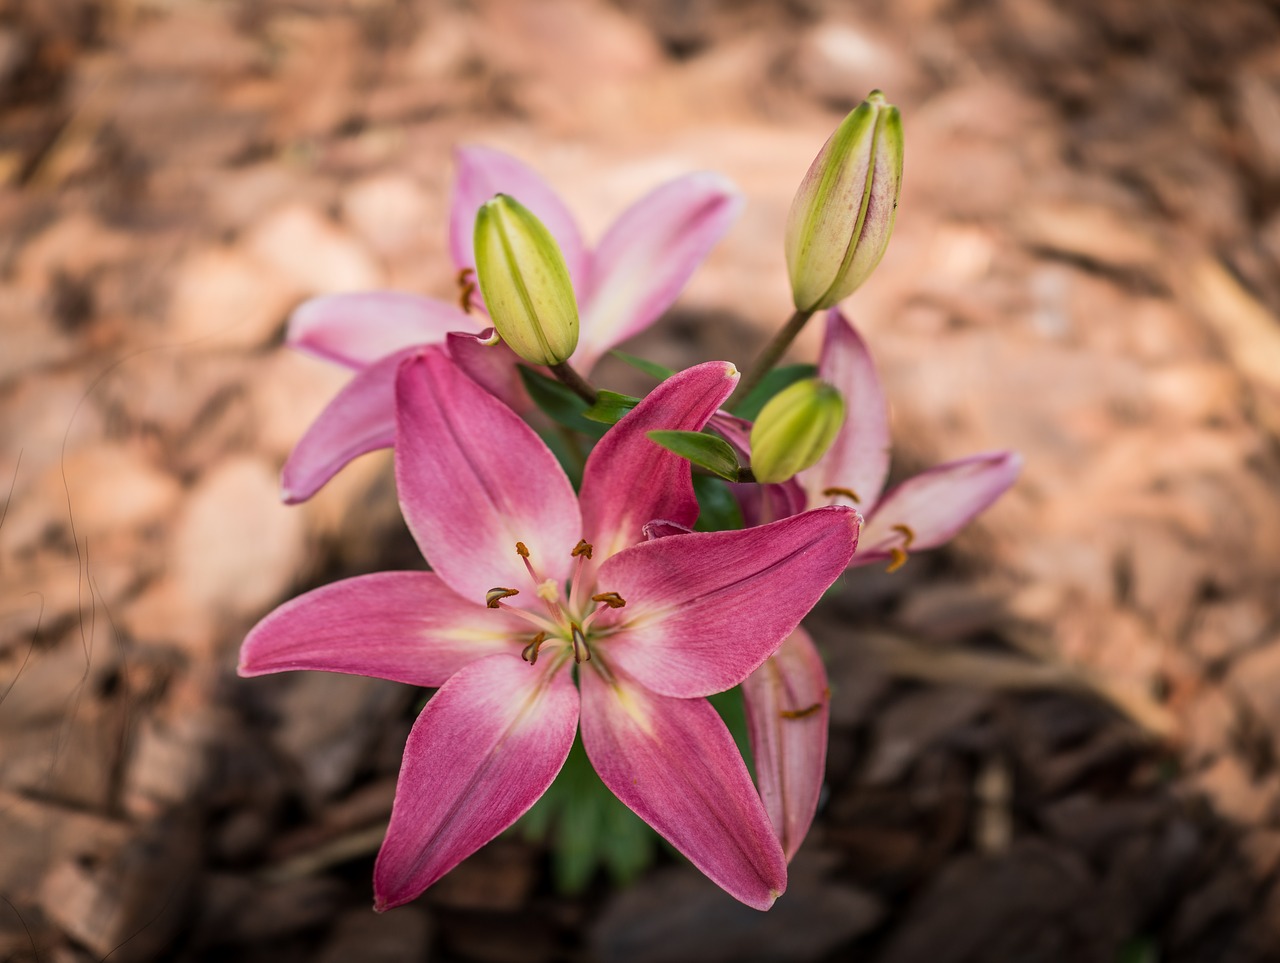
487	745
483	172
404	626
674	763
491	366
359	328
787	703
858	459
474	480
648	255
704	610
630	480
936	504
360	418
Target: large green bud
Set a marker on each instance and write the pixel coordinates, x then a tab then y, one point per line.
795	429
525	282
842	215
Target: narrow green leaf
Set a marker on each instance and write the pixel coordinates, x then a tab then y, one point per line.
652	368
777	379
706	451
610	406
559	402
718	510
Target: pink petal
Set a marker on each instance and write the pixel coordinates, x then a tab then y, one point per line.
629	480
936	504
704	610
474	480
487	745
492	366
404	626
674	763
360	418
859	458
788	704
483	172
357	329
648	256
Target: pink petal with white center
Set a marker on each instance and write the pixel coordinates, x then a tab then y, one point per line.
674	763
484	172
936	504
474	480
629	480
788	705
404	626
648	255
858	460
357	329
361	418
487	745
704	610
492	366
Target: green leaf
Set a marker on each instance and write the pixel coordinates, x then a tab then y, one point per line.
610	406
777	379
661	372
718	510
706	451
559	402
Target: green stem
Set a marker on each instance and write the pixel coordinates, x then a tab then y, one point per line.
773	351
575	382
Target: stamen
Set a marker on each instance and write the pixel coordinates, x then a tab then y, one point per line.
467	287
800	713
493	598
522	549
848	493
611	599
898	554
582	548
582	552
530	652
581	653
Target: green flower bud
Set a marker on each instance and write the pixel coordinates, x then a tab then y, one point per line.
525	282
795	429
842	215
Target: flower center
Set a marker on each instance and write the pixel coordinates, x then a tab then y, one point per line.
568	620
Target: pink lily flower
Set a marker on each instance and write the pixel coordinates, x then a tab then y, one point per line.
787	698
924	511
634	274
530	582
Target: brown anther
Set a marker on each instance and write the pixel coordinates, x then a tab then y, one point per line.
848	493
908	535
494	596
466	288
611	599
897	559
800	713
582	548
581	653
522	549
530	652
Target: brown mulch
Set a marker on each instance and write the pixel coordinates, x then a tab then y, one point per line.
1054	741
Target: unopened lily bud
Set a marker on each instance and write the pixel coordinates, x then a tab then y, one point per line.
525	282
795	429
842	215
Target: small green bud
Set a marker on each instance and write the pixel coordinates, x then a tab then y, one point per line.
795	429
525	282
842	215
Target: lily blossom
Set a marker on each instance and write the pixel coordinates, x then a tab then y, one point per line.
924	511
530	582
634	274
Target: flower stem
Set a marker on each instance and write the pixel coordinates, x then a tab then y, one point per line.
773	351
574	381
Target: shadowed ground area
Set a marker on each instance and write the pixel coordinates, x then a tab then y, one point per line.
1053	741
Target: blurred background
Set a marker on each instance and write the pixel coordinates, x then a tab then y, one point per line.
1056	740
